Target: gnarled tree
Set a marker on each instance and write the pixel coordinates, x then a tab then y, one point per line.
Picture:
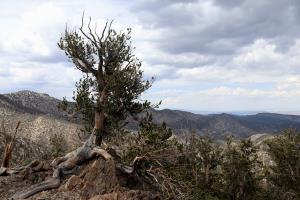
114	80
110	89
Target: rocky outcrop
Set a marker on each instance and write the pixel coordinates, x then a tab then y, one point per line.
36	102
98	177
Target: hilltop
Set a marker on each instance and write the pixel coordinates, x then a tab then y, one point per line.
42	106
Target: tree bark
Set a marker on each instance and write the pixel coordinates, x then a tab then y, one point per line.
8	148
206	174
7	156
99	127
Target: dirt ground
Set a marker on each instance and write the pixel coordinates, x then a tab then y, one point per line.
96	180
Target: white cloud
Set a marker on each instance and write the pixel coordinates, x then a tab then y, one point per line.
232	99
30	58
261	53
258	77
206	55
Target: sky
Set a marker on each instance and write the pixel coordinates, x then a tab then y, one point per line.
206	55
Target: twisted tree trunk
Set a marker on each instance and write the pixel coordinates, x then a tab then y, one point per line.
64	165
6	156
99	127
67	164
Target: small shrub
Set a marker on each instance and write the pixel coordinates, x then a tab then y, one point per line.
58	144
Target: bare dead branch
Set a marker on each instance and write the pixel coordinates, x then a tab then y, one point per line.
92	34
103	32
7	155
108	31
83	32
15	134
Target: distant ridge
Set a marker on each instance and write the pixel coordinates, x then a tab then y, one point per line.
36	102
217	125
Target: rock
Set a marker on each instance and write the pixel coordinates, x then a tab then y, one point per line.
99	178
128	195
72	182
96	178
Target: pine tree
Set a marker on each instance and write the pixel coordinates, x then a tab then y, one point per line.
239	170
114	81
285	171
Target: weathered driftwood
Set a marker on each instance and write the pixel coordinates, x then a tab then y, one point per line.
9	143
66	165
9	171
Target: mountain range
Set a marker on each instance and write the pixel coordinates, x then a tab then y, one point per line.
39	105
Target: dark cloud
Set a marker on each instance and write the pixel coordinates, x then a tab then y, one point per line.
229	3
228	26
157	14
154	5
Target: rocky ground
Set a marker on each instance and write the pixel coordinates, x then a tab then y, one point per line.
95	180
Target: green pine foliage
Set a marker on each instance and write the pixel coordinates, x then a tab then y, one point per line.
284	173
204	157
239	169
150	139
113	80
177	171
199	168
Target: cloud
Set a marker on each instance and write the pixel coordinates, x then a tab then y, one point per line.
235	99
258	77
205	54
210	28
229	4
257	63
29	55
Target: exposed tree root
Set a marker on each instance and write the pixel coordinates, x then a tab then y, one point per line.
45	185
36	165
65	165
